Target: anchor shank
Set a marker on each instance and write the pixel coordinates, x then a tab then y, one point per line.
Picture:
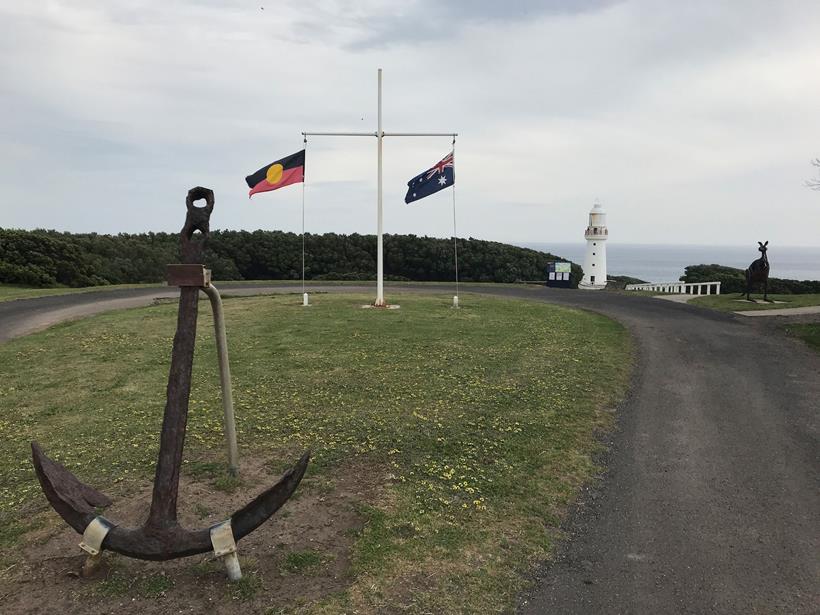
166	482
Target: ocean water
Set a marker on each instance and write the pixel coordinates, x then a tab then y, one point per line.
665	263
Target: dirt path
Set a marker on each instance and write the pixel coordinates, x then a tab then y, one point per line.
710	502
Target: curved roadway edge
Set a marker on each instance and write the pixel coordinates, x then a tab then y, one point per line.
710	501
24	316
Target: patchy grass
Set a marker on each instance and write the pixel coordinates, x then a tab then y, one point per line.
207	567
227	483
732	302
201	511
246	588
484	421
118	584
809	333
11	530
115	585
299	562
155	585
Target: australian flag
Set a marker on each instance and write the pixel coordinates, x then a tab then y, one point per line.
438	177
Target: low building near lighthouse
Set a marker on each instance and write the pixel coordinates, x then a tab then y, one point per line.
595	258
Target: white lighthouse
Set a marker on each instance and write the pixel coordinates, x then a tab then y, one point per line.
595	259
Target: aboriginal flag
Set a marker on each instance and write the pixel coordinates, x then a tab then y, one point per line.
442	175
288	170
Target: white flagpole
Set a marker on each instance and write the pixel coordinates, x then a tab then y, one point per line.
380	134
379	215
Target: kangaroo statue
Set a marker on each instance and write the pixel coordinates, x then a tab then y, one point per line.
758	271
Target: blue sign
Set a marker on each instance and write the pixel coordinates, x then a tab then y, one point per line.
558	274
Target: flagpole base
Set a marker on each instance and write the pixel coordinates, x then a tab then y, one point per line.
305	300
455	301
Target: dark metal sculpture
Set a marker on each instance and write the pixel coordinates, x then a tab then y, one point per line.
161	537
758	272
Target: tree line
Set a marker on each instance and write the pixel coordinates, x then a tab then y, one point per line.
733	280
50	258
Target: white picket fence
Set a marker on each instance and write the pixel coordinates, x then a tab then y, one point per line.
682	288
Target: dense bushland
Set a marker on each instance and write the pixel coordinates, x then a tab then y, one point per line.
734	280
51	258
619	282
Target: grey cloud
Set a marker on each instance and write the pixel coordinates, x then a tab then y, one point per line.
429	20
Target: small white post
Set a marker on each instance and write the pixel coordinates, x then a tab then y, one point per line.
305	302
455	301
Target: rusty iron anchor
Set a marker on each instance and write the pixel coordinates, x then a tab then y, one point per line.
161	537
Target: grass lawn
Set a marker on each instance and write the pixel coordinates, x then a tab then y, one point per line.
731	303
809	333
477	425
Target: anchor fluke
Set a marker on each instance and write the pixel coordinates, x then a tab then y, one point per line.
74	500
247	519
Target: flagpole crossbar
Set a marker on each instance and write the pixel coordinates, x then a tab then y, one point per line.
384	134
420	134
340	134
379	134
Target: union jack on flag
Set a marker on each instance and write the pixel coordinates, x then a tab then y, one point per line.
440	176
447	161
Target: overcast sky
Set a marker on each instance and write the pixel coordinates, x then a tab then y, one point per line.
692	122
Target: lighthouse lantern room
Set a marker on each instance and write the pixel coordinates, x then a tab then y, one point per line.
595	259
